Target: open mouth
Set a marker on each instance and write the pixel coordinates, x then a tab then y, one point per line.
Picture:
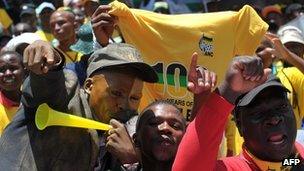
8	80
166	141
277	139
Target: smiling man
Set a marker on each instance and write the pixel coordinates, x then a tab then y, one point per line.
11	78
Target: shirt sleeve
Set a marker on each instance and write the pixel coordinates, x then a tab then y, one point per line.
199	146
296	78
56	88
230	134
249	30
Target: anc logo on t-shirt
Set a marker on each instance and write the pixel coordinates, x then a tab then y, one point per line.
206	45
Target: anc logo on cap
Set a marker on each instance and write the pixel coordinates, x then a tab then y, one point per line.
206	45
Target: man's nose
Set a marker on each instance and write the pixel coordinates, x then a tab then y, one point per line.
274	120
123	104
57	27
8	72
164	128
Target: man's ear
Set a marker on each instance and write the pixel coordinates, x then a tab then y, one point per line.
135	140
136	146
88	84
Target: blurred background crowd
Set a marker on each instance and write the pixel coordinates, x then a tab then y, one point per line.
15	13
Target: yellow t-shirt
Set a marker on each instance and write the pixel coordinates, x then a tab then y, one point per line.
167	42
267	165
5	19
71	56
8	110
293	79
234	139
87	20
45	36
6	115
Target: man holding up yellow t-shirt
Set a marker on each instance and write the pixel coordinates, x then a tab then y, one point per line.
166	40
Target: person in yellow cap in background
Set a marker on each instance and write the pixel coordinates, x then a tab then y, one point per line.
44	12
62	24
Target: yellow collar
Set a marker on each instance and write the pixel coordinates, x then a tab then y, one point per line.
268	166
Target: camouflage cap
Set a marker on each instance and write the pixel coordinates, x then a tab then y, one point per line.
124	55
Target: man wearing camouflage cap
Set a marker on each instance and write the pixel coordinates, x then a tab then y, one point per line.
112	91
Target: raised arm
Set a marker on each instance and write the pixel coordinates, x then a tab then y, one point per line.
199	147
283	53
200	83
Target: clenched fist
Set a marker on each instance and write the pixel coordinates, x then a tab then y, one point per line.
244	74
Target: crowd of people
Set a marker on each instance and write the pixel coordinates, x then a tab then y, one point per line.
220	90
